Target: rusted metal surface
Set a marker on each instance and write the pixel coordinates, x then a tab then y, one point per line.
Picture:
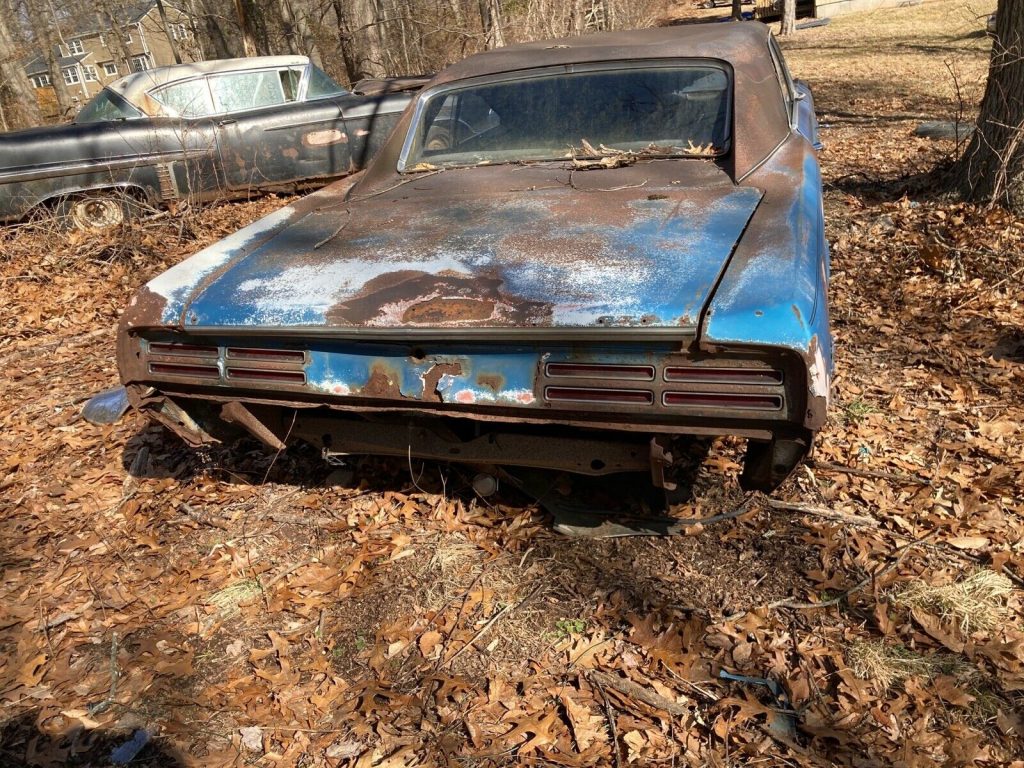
471	248
236	413
159	157
668	297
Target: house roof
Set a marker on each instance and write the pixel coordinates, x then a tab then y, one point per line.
87	23
38	65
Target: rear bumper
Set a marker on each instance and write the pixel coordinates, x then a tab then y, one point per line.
582	407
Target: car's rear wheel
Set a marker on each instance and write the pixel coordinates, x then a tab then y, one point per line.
96	210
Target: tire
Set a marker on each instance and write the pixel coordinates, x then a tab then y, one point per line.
96	211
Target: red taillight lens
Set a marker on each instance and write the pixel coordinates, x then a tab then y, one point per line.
179	369
251	374
598	371
723	375
183	350
584	395
270	355
723	400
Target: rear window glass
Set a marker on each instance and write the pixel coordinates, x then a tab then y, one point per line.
107	105
655	110
321	85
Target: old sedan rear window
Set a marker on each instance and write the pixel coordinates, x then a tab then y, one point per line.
107	105
674	111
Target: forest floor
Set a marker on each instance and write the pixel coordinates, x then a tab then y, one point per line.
239	608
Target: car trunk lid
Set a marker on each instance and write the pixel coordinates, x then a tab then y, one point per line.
556	251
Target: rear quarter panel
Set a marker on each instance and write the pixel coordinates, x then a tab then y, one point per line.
774	292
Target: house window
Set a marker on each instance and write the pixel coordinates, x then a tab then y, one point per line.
127	36
40	81
179	31
90	74
109	68
75	47
71	75
140	63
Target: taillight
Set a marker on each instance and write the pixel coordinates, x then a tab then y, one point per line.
724	400
181	350
181	369
252	374
269	355
587	395
600	371
722	375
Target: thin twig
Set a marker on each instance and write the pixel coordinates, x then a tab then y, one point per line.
609	714
828	514
491	622
898	477
638	692
336	232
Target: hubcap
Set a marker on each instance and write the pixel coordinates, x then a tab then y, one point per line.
97	213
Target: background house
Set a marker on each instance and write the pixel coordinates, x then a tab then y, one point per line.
94	54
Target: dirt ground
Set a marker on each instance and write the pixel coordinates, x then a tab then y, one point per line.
235	607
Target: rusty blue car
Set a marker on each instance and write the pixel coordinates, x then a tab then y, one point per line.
573	254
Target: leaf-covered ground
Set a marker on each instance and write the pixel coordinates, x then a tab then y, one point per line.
240	608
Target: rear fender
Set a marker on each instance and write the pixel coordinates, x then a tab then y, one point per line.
774	292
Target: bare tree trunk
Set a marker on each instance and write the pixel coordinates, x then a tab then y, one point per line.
218	42
490	20
297	35
46	32
167	31
362	44
788	25
15	90
737	10
245	25
992	168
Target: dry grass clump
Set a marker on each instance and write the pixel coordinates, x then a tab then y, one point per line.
975	603
228	600
887	664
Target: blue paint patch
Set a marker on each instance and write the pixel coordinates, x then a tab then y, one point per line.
503	375
554	258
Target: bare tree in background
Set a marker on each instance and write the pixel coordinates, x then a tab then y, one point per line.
737	10
991	170
788	25
46	33
167	31
245	24
17	96
490	20
360	25
214	29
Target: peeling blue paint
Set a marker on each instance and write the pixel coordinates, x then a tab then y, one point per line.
577	263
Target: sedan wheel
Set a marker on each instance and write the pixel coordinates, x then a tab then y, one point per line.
95	212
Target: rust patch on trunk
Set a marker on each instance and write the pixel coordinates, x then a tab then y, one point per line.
444	310
492	381
382	383
422	298
433	377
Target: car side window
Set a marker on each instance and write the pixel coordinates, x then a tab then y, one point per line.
239	91
290	79
188	99
460	118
